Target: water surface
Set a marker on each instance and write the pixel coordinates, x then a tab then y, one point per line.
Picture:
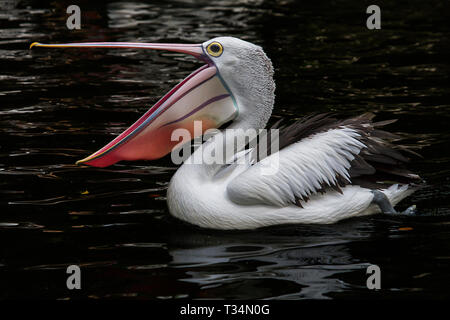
58	106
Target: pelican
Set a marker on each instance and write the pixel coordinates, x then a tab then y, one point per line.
327	169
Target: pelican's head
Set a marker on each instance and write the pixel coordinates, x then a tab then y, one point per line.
235	84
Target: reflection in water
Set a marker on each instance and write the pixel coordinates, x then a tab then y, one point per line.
308	266
56	107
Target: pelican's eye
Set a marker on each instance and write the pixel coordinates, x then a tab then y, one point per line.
215	49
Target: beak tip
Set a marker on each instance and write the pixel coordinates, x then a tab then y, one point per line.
34	44
80	162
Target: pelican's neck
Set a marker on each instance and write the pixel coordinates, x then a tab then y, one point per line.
230	140
254	93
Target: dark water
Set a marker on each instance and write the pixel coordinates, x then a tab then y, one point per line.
57	106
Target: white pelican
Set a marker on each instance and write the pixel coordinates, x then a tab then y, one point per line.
324	164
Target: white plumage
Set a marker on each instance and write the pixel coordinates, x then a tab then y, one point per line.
206	202
303	167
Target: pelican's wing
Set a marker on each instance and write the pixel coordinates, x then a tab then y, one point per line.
317	153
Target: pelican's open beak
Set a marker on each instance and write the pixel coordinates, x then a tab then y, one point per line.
202	96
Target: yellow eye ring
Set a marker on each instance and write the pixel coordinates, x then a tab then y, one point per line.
215	49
